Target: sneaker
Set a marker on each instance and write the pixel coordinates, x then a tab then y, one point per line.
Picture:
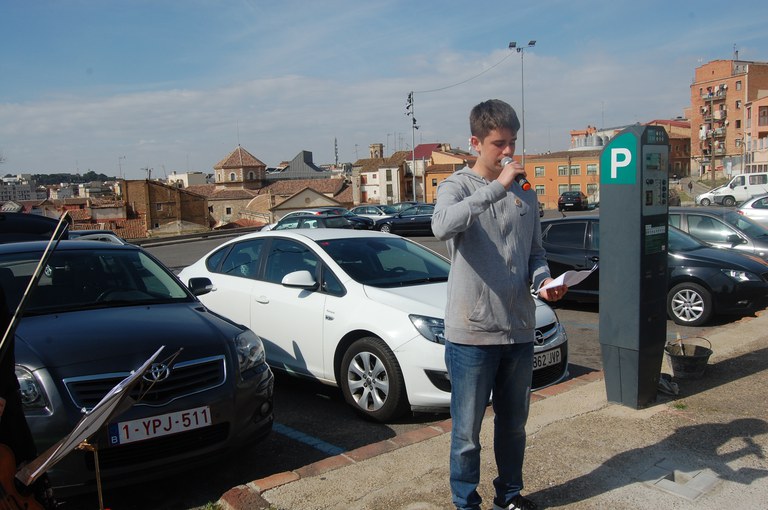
517	503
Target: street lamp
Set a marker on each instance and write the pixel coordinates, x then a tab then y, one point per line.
120	166
521	50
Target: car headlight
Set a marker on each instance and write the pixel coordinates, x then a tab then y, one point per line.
741	276
250	350
431	328
32	396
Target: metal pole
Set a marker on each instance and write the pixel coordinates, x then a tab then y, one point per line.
522	99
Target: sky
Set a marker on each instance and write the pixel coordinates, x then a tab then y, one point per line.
138	88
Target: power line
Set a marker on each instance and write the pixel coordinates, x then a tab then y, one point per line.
465	81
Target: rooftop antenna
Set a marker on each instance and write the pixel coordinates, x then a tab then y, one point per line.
735	52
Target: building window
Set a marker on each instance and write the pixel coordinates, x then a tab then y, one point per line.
389	174
434	182
158	207
227	211
738	123
575	187
591	189
232	176
592	169
540	190
738	104
738	84
575	169
562	170
562	188
538	171
250	176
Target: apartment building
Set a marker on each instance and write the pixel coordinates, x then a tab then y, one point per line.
720	91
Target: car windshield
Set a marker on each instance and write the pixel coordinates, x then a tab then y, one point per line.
680	241
746	225
86	279
384	262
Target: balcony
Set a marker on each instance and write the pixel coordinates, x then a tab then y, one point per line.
714	96
718	133
720	114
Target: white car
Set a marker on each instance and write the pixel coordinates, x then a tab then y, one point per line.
708	197
362	310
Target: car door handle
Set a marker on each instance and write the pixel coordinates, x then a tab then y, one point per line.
262	299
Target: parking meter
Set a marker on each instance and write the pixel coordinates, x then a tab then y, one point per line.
634	190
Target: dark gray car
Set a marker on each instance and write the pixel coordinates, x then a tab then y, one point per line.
98	312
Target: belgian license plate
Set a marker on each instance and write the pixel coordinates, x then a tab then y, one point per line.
156	426
544	359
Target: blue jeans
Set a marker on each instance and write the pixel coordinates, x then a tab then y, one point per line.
475	371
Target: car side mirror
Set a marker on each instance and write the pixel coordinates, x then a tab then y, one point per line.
200	286
734	240
300	280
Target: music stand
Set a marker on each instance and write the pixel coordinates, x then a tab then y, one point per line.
115	401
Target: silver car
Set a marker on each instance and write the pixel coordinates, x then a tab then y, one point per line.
756	208
722	227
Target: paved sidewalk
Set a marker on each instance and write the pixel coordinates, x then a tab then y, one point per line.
706	448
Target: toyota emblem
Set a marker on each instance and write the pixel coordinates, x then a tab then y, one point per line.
156	373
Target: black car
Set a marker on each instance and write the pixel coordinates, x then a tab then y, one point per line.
415	220
572	201
703	281
324	221
98	312
16	227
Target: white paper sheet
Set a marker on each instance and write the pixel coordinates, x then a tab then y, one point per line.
569	278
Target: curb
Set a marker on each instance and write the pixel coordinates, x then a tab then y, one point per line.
249	496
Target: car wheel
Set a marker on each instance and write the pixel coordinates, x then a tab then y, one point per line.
689	304
729	201
386	227
372	381
705	202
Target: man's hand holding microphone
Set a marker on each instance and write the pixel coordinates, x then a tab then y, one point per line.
513	171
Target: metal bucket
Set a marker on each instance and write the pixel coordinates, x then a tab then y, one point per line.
688	361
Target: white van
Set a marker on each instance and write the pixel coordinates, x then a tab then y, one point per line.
740	188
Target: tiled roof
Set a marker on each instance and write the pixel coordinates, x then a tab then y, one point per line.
212	192
239	158
424	150
293	186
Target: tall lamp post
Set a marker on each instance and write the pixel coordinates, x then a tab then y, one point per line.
120	166
521	50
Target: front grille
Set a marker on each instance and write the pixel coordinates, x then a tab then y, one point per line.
545	334
186	378
167	447
551	374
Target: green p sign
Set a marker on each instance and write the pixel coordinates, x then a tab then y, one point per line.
618	161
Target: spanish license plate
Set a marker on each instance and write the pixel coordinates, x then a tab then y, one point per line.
156	426
545	359
569	204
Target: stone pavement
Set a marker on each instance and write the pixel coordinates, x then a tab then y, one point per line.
706	448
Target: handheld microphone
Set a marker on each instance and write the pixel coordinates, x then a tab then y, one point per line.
522	181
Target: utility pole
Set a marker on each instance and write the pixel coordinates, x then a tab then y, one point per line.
409	111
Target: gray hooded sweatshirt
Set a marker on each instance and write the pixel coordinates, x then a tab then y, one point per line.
494	242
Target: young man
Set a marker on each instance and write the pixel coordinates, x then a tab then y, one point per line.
494	240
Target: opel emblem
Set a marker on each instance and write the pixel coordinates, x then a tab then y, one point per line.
156	373
538	338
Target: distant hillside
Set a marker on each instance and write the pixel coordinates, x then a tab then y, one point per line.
44	179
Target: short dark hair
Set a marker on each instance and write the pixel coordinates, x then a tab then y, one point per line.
490	115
